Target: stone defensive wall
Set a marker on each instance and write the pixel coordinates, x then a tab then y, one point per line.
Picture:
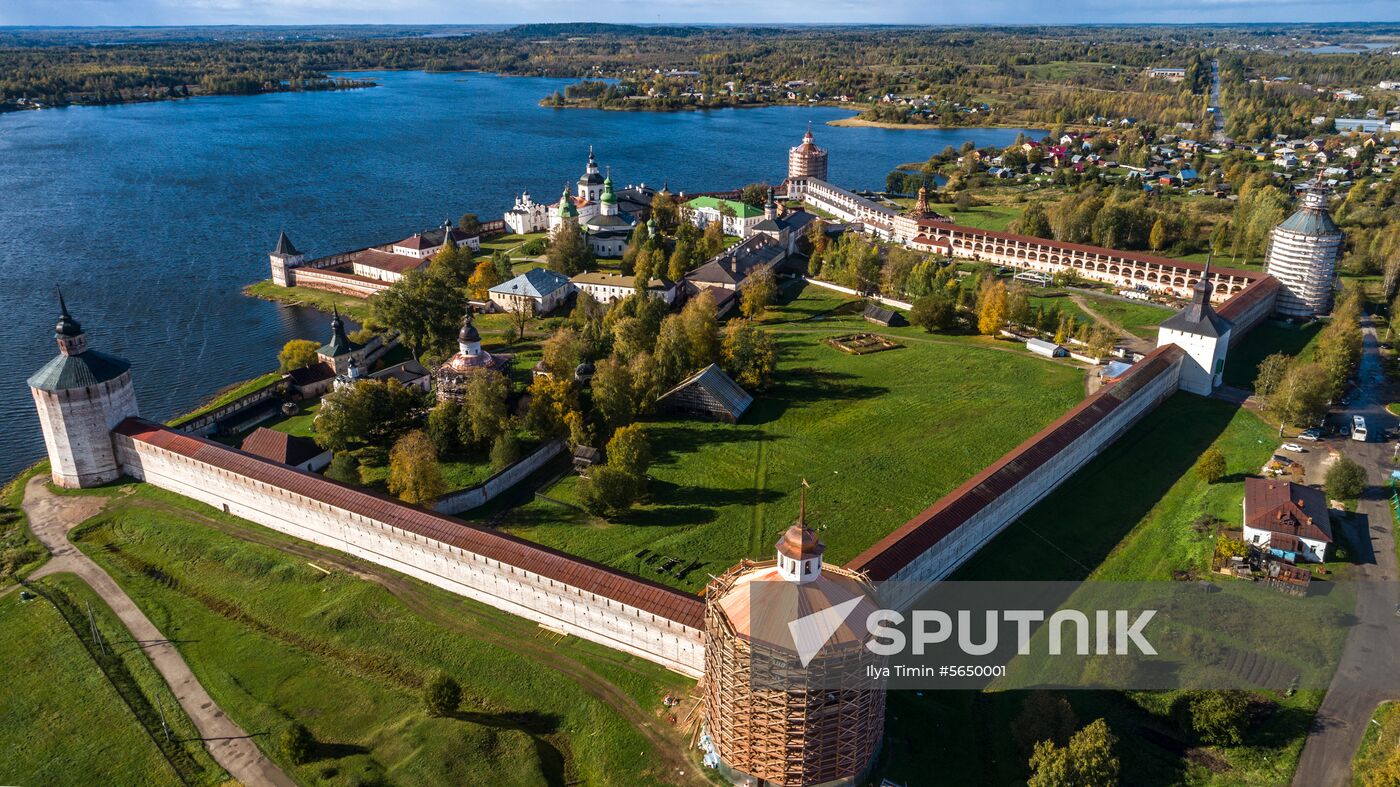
931	545
556	590
336	281
488	490
1250	307
1125	269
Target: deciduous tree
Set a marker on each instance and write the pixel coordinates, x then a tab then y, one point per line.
297	354
934	313
568	251
757	292
442	695
483	279
991	309
414	474
1211	466
1345	479
749	355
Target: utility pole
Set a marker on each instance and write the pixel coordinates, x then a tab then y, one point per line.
96	635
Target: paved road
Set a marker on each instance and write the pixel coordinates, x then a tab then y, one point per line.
1218	133
1369	672
51	517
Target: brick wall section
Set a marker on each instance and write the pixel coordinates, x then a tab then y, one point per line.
557	590
1249	307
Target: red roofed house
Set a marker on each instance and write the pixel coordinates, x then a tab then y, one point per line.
300	452
1290	520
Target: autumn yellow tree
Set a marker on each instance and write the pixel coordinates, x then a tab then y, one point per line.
1157	238
991	311
414	474
483	279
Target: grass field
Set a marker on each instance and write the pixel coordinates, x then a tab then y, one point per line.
985	217
1382	738
880	437
65	722
355	308
1126	516
1139	319
1269	337
274	639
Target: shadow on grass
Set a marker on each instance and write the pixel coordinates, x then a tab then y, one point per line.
1070	532
671	441
530	722
335	751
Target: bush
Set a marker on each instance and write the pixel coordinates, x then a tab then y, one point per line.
1217	717
296	742
607	491
505	451
1345	479
344	467
442	695
1211	467
533	247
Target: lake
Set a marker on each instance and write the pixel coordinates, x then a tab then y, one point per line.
152	217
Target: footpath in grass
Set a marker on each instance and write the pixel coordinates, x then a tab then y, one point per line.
65	722
278	631
879	437
1130	515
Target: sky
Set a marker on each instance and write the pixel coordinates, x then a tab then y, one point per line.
200	12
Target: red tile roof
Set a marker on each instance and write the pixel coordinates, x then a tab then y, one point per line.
1287	508
918	535
1241	301
664	602
1125	255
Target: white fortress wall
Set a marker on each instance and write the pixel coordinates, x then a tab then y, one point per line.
485	492
937	542
506	587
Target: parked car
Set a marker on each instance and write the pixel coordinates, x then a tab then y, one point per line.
1312	435
1294	447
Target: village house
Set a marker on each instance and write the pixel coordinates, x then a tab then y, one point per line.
1287	520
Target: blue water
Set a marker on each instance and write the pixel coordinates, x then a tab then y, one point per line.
153	216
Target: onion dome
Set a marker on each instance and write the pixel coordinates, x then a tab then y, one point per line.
608	194
469	334
567	209
67	326
584	372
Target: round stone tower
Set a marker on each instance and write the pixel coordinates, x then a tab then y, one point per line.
81	395
1303	253
791	705
807	160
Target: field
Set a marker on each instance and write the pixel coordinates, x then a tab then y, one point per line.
65	722
1139	319
278	630
1126	516
880	437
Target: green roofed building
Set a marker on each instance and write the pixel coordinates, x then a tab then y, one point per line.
738	218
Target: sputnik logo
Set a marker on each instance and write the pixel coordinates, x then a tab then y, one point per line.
811	632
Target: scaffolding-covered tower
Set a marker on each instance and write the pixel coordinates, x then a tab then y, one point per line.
770	718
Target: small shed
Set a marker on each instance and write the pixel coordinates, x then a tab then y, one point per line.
586	456
1047	349
709	393
879	315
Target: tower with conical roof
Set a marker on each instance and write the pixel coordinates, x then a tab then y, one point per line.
284	258
1303	254
81	395
782	703
1203	334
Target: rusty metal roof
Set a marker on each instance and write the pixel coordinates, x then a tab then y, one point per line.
662	601
1249	296
918	535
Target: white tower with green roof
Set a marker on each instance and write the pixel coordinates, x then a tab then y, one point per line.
81	395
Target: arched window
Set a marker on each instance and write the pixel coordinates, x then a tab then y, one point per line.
806	567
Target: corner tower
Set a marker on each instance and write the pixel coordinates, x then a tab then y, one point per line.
1203	334
781	712
81	395
284	259
807	160
1303	253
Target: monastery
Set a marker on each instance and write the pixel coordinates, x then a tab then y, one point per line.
800	735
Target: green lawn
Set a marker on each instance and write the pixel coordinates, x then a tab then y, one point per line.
1139	319
64	722
1382	738
986	217
880	437
1125	516
355	308
229	394
1269	337
20	552
274	638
